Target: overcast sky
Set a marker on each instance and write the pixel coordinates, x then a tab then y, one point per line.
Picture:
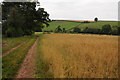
81	9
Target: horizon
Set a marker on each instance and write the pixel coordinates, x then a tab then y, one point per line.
84	19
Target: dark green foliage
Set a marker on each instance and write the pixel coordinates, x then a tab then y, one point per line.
58	29
118	29
76	30
85	30
106	29
96	19
14	23
64	30
91	30
22	18
114	32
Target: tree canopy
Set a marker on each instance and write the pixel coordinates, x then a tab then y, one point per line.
22	18
96	19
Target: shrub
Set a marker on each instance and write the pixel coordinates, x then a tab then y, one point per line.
106	29
58	29
76	30
64	30
91	30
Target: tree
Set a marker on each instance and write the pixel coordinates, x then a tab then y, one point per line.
96	19
106	29
64	30
85	30
14	22
118	30
58	29
76	30
25	20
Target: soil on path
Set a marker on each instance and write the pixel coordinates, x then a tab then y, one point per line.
27	69
9	51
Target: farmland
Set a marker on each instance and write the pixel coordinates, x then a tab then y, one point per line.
37	44
71	24
63	24
61	55
64	56
79	56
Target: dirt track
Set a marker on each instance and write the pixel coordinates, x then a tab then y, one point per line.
27	69
7	52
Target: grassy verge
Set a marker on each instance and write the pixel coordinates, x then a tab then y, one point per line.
42	66
12	62
9	43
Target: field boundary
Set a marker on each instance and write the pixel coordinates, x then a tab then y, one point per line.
73	27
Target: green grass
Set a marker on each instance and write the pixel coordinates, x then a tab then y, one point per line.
41	66
69	25
12	62
9	43
98	25
38	33
64	24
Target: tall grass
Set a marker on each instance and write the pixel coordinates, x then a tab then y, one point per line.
80	56
41	66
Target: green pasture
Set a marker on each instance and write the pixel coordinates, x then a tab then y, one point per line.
70	25
64	24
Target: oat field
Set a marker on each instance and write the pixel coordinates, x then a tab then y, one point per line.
77	56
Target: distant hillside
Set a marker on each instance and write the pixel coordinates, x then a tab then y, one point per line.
70	24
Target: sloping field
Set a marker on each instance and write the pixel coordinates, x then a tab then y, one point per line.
70	24
77	56
98	25
64	24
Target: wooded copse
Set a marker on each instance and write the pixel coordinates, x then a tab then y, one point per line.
22	18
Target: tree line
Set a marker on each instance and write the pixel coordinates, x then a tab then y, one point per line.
106	29
22	18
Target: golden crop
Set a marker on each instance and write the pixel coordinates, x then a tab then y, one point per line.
81	56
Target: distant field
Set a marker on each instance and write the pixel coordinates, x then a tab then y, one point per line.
64	24
77	56
99	24
71	24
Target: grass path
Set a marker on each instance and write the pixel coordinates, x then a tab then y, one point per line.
12	62
27	69
9	43
9	51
